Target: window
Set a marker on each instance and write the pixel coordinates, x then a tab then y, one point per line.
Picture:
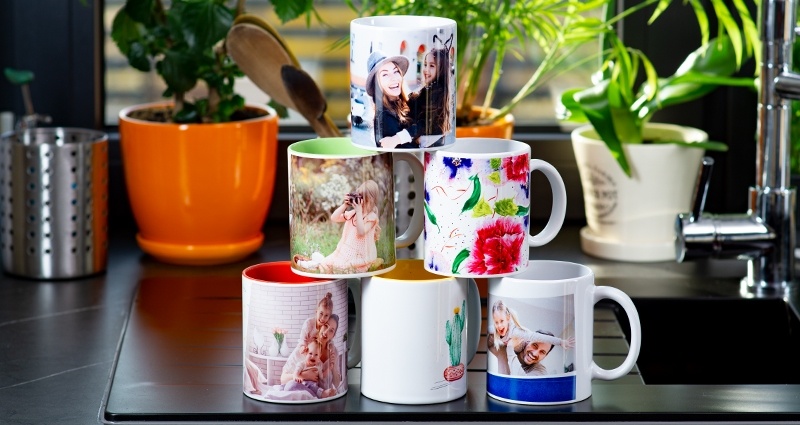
313	48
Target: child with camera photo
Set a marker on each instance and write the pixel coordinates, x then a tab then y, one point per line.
357	249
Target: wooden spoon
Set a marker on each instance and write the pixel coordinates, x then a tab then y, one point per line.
262	54
309	100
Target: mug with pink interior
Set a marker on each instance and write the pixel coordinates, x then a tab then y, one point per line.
295	335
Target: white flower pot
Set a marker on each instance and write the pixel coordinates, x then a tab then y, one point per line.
633	218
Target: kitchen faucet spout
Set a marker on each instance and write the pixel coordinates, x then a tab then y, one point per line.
765	235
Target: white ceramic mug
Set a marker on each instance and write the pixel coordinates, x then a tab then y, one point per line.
540	334
419	332
477	207
403	82
295	328
341	206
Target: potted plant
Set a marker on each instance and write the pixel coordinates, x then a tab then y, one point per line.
199	169
637	175
487	31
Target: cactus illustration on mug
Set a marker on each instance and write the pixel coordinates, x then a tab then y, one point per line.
454	331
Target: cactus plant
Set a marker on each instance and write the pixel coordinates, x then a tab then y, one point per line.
453	333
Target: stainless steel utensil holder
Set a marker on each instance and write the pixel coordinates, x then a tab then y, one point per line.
54	202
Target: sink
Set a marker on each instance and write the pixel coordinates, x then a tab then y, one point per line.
717	341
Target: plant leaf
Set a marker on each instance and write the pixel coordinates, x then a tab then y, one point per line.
595	105
140	10
202	22
178	70
288	10
463	255
707	145
18	76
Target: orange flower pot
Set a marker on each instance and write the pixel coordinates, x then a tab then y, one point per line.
199	192
502	128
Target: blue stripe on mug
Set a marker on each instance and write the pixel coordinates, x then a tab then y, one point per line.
532	390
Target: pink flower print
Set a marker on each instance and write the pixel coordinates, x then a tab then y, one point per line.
497	248
516	168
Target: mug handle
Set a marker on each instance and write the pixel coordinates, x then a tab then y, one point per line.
473	319
354	344
559	210
415	225
624	300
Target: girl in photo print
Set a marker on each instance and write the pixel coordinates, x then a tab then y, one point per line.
356	251
431	106
508	339
393	124
309	374
312	325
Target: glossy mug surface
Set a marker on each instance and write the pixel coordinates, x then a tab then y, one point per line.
294	335
541	330
341	206
403	82
419	332
477	207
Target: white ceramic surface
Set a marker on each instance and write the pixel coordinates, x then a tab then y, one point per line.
409	38
555	297
406	357
639	211
477	207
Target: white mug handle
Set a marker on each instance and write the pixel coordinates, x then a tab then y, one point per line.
415	225
559	210
607	292
354	344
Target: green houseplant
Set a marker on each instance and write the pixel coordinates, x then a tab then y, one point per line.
184	43
488	30
637	175
200	169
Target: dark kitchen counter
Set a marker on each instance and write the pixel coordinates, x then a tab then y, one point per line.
61	340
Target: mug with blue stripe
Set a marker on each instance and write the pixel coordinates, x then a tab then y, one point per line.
541	330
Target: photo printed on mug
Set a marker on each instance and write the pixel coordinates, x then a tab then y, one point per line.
294	337
402	85
532	339
342	215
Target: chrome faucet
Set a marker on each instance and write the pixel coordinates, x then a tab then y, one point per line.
765	235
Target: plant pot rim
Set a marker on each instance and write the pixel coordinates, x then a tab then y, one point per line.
501	121
587	134
124	115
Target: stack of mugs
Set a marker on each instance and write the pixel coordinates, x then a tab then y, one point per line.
418	320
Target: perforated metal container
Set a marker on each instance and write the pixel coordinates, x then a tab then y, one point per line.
54	202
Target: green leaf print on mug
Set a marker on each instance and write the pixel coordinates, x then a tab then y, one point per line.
463	255
431	216
494	177
476	194
482	209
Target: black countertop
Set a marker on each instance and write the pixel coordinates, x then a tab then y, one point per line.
60	340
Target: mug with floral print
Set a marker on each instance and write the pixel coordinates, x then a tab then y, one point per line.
477	207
